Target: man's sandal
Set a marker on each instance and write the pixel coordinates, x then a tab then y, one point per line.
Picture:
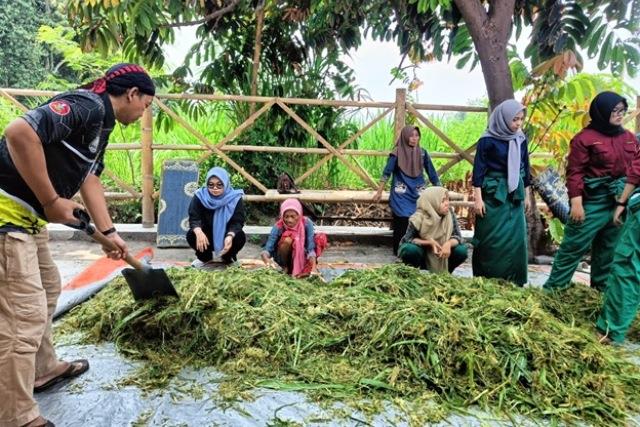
76	368
47	423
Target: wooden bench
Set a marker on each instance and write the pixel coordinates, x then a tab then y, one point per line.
334	196
347	196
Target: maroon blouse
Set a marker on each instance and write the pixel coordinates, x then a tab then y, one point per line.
593	155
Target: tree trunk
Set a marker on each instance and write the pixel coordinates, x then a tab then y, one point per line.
539	240
490	31
497	75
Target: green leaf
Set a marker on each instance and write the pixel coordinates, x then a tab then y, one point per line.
561	92
596	38
579	94
146	23
605	52
632	55
571	90
634	20
617	61
517	22
462	40
587	88
594	24
463	61
376	384
556	230
519	74
476	61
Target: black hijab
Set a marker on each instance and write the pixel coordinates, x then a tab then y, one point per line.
600	112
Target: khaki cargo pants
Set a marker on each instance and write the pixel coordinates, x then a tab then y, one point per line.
29	290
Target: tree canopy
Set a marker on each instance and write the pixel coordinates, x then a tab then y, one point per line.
467	31
22	59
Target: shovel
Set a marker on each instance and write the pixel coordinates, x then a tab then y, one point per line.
144	282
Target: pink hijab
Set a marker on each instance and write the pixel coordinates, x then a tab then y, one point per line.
296	233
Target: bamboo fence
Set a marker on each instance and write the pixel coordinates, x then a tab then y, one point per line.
400	107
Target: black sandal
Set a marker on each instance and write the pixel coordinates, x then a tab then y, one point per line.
71	372
47	423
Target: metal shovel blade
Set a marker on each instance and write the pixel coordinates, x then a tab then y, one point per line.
149	283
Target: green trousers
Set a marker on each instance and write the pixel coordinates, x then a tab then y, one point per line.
622	294
500	236
414	256
596	233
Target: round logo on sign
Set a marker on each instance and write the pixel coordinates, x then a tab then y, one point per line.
61	108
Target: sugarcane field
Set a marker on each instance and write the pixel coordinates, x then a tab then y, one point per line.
319	213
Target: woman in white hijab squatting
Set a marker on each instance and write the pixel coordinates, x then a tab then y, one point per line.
501	179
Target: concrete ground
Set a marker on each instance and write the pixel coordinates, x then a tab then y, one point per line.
73	251
72	256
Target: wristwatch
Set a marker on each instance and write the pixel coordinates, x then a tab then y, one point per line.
109	231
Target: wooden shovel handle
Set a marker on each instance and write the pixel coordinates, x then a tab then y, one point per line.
107	243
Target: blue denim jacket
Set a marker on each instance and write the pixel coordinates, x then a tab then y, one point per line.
429	168
276	233
405	190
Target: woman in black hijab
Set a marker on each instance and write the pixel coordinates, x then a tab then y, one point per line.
598	163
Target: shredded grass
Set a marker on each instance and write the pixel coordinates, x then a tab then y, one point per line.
386	335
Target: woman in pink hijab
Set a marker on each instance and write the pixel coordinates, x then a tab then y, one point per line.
293	244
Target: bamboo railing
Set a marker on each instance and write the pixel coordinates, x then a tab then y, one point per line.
400	107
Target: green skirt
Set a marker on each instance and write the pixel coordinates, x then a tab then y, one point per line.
500	237
622	293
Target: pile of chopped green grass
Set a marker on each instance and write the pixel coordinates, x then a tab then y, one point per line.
389	334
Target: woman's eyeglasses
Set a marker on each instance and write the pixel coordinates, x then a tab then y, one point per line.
215	185
619	112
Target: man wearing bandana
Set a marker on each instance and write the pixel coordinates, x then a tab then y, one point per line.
46	157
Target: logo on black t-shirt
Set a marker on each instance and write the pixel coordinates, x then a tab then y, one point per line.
61	108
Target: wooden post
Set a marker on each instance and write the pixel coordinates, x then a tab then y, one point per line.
440	134
14	101
401	112
148	219
256	54
638	116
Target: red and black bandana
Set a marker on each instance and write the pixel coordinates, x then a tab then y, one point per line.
121	77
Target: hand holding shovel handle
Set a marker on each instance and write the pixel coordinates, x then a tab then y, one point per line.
86	226
145	282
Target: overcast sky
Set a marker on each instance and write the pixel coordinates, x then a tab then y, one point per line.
373	61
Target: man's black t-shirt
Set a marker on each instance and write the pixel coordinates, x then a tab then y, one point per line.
74	129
